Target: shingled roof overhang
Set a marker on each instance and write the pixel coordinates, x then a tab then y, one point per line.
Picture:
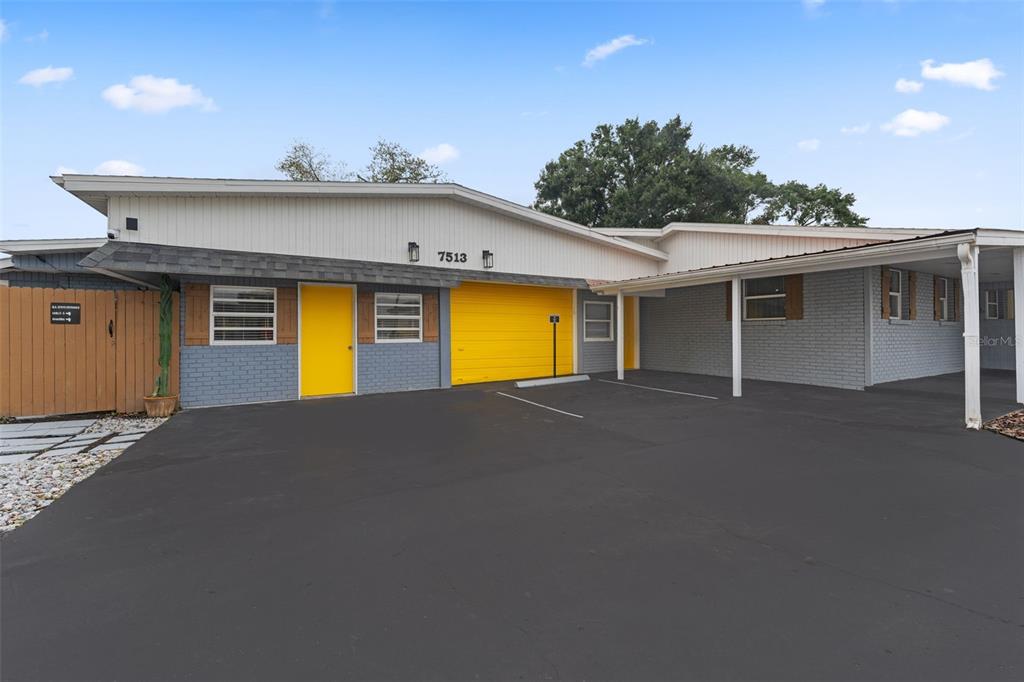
135	257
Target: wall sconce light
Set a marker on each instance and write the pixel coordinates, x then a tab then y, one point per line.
488	259
414	252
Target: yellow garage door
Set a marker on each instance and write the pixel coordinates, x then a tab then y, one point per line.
502	331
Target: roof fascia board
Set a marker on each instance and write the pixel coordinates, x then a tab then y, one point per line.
83	186
994	237
879	254
797	231
30	246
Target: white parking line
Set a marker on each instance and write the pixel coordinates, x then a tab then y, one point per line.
663	390
524	400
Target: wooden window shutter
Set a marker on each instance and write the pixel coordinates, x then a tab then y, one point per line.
366	319
794	297
886	313
955	293
430	317
936	303
287	315
197	314
912	293
728	301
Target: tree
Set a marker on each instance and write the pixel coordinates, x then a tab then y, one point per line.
391	162
305	163
646	175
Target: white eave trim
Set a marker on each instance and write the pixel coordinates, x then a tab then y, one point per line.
89	187
876	254
50	245
869	233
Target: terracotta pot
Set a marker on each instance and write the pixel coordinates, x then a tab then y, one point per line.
160	406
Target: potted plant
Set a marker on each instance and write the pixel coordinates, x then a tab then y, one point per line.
161	404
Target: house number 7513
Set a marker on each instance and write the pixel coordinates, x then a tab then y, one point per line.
451	257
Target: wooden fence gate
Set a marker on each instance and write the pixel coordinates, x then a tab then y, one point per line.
66	351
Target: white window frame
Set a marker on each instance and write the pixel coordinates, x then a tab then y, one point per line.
214	288
898	294
991	301
376	318
944	299
610	320
760	297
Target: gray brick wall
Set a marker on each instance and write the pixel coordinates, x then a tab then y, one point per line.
386	367
229	375
997	336
687	331
908	349
593	356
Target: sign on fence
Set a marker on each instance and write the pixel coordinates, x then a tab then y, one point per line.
65	313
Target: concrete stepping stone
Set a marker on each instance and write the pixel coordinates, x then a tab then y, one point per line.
90	437
5	442
14	459
57	452
109	446
126	438
80	424
30	448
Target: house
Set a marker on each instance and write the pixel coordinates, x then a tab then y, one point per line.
297	290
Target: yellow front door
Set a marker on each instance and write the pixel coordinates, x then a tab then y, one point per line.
326	340
630	322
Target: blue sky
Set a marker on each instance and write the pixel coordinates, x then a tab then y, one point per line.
507	88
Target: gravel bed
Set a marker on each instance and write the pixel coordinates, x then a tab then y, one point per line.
1011	425
26	488
126	423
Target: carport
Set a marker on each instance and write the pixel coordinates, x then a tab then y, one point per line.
962	260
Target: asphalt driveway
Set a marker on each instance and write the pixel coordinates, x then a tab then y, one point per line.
796	533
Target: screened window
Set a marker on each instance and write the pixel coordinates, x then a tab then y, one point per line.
944	298
242	315
991	305
764	298
895	294
597	321
399	318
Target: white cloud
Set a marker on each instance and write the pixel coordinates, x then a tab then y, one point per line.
977	74
118	167
810	145
152	95
64	170
811	5
440	154
41	37
913	122
3	31
856	129
908	87
605	50
48	74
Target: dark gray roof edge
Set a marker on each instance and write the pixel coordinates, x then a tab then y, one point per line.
143	257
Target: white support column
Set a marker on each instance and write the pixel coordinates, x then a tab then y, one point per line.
620	334
1018	318
968	255
737	342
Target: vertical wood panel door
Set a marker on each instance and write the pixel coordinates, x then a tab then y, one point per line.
106	361
326	340
631	324
47	367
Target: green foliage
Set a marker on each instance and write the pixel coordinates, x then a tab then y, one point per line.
162	387
646	175
305	163
391	162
